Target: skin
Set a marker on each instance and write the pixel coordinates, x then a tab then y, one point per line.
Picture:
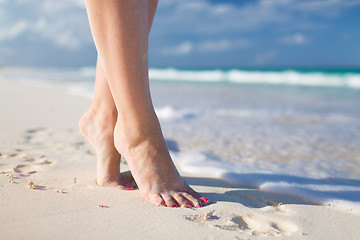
122	119
98	124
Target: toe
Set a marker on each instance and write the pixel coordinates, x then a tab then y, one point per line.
181	200
156	199
169	202
121	187
194	201
204	200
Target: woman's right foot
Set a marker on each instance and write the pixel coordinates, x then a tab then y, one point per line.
152	167
98	128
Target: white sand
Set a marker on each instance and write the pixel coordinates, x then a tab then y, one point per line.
39	141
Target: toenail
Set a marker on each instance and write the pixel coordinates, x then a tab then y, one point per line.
188	205
204	199
175	206
129	189
162	204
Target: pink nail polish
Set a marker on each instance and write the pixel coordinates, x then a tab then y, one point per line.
175	206
204	199
129	189
162	204
188	205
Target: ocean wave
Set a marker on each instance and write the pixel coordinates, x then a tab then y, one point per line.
350	79
311	78
315	181
171	113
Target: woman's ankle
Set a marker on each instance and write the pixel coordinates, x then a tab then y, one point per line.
134	132
103	116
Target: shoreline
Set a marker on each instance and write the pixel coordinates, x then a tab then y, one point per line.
40	142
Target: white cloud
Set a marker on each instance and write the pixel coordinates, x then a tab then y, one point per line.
323	7
295	39
181	27
203	17
79	3
62	23
221	45
184	48
13	31
209	46
265	57
67	26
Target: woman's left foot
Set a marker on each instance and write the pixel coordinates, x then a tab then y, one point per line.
98	129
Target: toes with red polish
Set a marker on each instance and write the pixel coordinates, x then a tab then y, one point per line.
204	199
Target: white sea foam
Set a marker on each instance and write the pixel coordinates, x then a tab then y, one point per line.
81	89
319	181
187	75
287	77
170	113
314	181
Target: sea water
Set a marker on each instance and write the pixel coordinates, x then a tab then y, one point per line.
286	131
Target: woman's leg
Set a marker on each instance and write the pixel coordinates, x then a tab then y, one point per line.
98	123
120	31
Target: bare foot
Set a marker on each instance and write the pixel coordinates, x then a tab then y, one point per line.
98	129
154	172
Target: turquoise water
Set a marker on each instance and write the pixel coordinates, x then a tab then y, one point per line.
338	78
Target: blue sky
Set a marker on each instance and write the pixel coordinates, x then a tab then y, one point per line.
189	33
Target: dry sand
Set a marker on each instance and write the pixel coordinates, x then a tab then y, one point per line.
40	143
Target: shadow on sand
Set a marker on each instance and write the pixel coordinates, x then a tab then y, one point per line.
339	188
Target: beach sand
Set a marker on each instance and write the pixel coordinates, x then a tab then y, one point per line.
40	143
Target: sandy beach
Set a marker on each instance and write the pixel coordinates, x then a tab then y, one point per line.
40	143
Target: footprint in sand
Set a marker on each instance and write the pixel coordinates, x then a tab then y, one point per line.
251	224
21	163
25	156
44	137
37	135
